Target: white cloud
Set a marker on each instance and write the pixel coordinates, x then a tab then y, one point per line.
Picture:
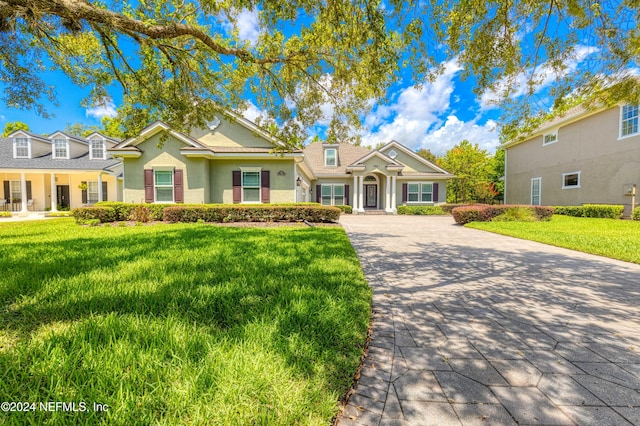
454	131
108	109
3	118
252	112
246	24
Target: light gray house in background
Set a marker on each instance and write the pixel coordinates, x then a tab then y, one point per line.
580	158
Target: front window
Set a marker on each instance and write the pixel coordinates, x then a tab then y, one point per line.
60	149
571	180
536	191
420	192
629	120
22	148
163	183
97	150
330	157
550	138
332	195
16	191
251	187
92	192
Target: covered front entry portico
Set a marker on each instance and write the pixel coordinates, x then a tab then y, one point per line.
374	191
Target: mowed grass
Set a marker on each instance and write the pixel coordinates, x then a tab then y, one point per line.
617	239
179	324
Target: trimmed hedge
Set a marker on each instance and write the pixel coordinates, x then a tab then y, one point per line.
257	213
421	210
343	209
635	215
123	210
607	211
447	208
484	212
84	215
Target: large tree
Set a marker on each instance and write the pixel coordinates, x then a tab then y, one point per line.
13	126
180	60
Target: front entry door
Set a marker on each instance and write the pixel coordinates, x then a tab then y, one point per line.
63	195
371	196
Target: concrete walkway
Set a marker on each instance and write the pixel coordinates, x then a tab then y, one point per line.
475	328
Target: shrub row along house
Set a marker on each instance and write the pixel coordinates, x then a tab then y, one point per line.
230	161
585	156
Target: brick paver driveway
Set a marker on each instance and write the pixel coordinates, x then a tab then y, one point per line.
475	328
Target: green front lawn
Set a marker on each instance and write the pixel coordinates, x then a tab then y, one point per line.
614	238
179	324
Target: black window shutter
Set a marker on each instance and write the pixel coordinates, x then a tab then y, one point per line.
405	191
84	193
346	195
435	193
237	186
318	193
7	191
178	186
265	184
105	195
29	190
148	186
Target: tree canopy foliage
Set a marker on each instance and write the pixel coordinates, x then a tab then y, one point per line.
181	60
13	126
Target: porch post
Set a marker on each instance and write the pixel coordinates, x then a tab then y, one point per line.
393	194
387	198
99	187
23	192
54	193
361	195
355	194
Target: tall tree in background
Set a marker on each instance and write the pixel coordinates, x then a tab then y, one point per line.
473	169
427	155
12	126
181	60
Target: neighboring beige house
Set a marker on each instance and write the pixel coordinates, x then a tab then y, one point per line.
234	161
43	172
579	158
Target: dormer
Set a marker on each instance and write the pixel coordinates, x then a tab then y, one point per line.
60	149
97	147
29	145
330	155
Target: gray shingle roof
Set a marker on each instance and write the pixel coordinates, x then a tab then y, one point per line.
81	162
347	154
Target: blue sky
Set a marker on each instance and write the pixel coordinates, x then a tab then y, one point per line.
437	117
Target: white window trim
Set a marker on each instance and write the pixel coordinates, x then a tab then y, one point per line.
539	179
89	201
630	135
333	193
173	185
104	149
250	169
54	156
420	193
571	186
544	137
335	157
15	148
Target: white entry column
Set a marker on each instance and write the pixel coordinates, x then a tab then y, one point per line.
393	194
54	193
361	195
387	198
355	193
23	192
100	187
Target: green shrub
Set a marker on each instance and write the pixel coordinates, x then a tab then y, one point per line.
141	213
344	209
84	214
5	214
636	213
447	208
608	211
485	213
516	214
58	214
254	213
421	210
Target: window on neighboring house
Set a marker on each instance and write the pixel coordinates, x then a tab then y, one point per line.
571	180
60	148
550	138
16	190
330	157
536	191
22	148
97	150
251	187
419	192
629	120
163	186
92	192
332	195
